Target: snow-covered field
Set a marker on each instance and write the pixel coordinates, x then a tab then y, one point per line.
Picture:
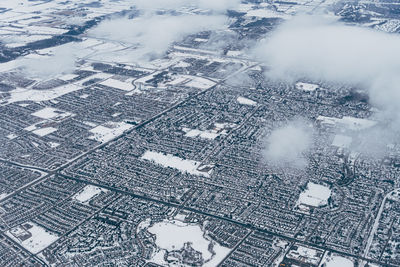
3	195
11	136
87	193
108	131
40	95
305	254
126	86
200	83
246	101
172	235
306	86
315	195
44	131
351	123
51	113
334	260
34	239
219	129
184	165
208	134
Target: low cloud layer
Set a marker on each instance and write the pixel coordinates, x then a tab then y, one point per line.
213	5
322	48
59	60
218	5
153	34
286	145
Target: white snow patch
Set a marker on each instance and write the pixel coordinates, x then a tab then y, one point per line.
20	94
3	195
351	123
11	136
305	254
30	128
200	40
44	131
336	261
246	101
53	144
315	195
184	165
208	134
219	129
200	83
172	235
87	193
126	86
306	86
84	96
51	113
32	237
68	77
179	80
108	131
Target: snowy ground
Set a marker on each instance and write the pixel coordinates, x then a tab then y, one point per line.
44	131
87	193
126	86
3	195
208	134
172	235
246	101
184	165
315	195
11	136
334	260
108	131
51	113
34	239
219	129
305	254
349	122
306	86
40	95
200	83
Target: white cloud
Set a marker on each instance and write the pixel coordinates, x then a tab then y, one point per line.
286	145
162	4
59	60
153	34
323	49
218	5
213	5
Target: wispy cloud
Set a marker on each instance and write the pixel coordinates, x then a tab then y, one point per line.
212	5
153	34
60	60
322	48
286	145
